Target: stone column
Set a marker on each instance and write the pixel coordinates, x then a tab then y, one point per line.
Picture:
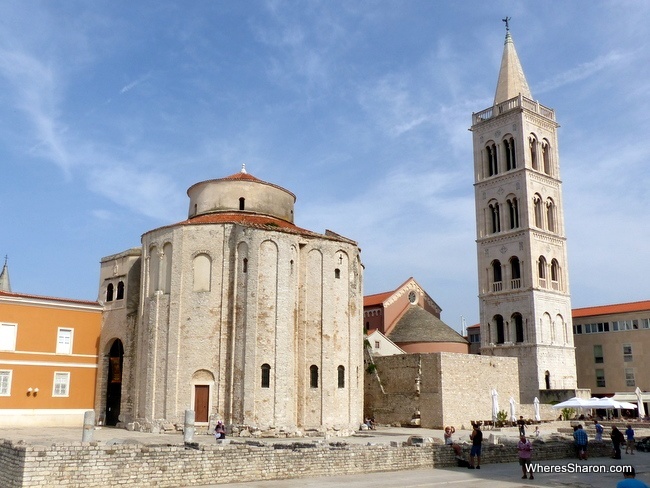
188	430
89	426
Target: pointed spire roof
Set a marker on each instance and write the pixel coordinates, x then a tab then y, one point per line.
512	80
5	284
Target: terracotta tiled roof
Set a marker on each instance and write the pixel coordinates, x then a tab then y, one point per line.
418	325
245	177
41	297
376	299
257	221
475	326
611	309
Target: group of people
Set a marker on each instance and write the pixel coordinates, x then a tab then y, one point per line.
618	438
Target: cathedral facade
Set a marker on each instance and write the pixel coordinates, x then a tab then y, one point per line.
525	306
235	313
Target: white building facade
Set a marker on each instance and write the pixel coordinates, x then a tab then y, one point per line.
525	307
241	316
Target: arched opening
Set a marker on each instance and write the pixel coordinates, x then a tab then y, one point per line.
313	376
519	327
114	382
109	292
120	291
515	269
547	380
266	375
501	337
497	284
242	203
341	376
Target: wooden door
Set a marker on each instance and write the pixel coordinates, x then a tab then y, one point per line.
201	400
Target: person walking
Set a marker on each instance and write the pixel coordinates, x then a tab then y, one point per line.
629	439
599	431
617	438
521	423
477	438
525	450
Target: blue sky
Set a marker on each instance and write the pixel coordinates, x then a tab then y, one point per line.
110	110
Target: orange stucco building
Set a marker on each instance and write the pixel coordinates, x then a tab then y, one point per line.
48	359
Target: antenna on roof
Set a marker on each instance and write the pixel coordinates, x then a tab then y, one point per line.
243	168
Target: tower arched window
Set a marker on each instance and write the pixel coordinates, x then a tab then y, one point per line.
501	337
109	292
537	208
341	376
492	160
120	290
513	212
495	217
266	376
515	271
555	274
497	284
509	149
313	376
519	327
532	142
546	156
242	203
550	215
541	270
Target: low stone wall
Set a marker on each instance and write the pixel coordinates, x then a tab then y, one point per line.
92	465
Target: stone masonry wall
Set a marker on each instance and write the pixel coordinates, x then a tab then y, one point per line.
76	465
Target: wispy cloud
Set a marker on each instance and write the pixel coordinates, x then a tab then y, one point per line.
582	71
134	83
35	88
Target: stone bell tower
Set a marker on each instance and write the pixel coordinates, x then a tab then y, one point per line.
525	307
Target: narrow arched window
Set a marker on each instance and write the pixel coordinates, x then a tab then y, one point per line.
337	273
509	149
109	292
515	271
341	376
555	274
546	157
519	327
242	203
497	285
493	165
542	271
266	376
533	152
537	207
513	213
245	265
495	216
120	290
501	338
313	376
550	215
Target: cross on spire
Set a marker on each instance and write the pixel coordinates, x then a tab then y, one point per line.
506	20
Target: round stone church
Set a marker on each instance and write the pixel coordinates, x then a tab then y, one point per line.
235	313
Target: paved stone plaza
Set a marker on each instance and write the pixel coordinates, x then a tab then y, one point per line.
490	475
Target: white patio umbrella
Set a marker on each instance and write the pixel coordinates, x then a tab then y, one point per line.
536	407
495	405
608	402
574	402
639	402
513	415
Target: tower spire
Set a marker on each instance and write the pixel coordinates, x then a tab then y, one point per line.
5	284
512	80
